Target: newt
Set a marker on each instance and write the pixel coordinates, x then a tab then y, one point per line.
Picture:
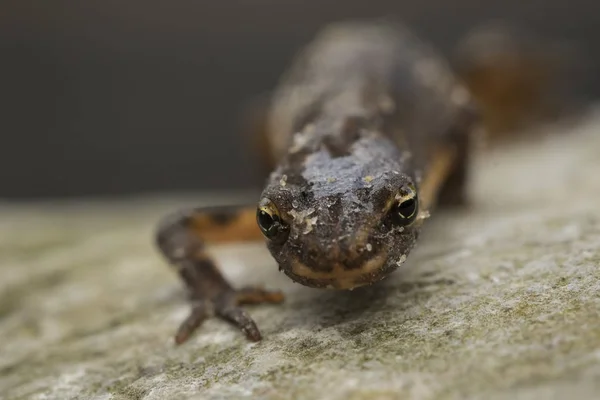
367	133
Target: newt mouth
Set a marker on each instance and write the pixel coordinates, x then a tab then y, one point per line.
339	277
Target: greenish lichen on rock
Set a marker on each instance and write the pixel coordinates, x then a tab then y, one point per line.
498	301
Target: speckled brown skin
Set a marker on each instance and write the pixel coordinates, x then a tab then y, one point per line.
367	120
366	110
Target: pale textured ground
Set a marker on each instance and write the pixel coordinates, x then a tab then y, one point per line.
499	302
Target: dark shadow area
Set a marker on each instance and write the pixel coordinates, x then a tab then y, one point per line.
333	308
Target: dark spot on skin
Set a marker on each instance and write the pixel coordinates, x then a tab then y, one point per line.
340	141
310	115
356	258
353	126
312	258
336	147
364	194
293	172
316	264
297	158
222	218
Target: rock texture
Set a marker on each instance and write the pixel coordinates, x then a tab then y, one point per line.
499	301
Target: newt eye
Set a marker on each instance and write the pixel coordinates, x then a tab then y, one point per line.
270	222
405	207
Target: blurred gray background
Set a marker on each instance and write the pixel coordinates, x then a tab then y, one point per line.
126	97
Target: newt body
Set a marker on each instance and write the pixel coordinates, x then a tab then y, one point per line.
367	132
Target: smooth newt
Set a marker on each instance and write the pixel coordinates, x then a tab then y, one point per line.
367	131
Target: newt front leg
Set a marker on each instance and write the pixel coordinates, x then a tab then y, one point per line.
182	237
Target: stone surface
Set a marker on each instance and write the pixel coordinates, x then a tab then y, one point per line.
499	301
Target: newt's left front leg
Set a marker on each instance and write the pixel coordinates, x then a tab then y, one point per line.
182	236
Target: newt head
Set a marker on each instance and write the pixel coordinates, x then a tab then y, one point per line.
340	214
